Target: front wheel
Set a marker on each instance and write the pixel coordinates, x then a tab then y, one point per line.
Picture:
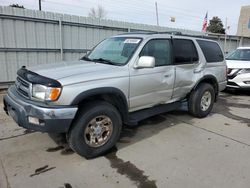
201	100
95	130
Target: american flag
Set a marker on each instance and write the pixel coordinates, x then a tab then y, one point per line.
204	25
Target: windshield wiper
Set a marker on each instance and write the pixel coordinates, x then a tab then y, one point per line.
86	58
106	61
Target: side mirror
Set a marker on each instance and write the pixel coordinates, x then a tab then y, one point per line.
145	62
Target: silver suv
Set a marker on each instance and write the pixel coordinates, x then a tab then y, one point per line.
124	79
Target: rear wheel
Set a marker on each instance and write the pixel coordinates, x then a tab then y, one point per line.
201	100
96	129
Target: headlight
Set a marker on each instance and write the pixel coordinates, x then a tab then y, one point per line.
244	71
45	93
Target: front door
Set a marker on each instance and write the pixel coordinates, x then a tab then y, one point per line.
151	86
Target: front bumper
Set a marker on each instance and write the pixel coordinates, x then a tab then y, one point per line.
51	119
241	81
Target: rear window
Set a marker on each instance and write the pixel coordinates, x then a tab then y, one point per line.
211	51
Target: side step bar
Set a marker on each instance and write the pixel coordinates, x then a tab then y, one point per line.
135	117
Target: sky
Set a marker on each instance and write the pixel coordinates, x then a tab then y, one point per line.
189	14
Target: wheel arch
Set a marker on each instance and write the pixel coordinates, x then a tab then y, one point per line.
210	79
111	95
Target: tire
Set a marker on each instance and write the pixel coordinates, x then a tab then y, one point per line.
198	103
87	125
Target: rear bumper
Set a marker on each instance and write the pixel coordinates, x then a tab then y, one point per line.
222	85
51	119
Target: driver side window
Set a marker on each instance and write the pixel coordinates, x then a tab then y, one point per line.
160	49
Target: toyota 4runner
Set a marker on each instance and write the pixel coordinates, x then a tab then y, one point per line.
124	79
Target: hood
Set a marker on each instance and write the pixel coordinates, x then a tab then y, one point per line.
78	71
237	64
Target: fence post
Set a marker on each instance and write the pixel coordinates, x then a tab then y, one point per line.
61	38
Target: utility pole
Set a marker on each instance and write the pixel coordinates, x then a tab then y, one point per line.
156	11
40	6
225	43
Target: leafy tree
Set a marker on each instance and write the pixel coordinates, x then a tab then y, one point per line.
17	6
216	26
98	12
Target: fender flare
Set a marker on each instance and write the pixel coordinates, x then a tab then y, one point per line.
208	79
119	98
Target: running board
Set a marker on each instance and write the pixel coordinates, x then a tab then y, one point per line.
135	117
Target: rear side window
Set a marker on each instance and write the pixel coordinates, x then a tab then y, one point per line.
184	51
211	51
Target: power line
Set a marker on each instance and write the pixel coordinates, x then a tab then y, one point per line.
120	16
135	11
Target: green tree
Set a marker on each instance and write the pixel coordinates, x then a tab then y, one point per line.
17	6
215	26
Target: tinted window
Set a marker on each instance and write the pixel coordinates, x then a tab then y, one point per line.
211	51
160	49
184	51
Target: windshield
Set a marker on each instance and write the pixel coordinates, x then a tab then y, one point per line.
115	51
240	54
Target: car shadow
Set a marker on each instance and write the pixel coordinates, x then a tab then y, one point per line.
61	142
236	92
153	125
129	135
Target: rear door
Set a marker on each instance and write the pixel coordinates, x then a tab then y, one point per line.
186	61
151	86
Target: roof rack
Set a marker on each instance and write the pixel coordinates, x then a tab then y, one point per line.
152	32
177	33
170	32
138	32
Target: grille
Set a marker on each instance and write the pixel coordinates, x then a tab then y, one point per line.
232	84
231	76
23	87
232	73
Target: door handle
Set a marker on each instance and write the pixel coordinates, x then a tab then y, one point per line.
197	70
167	75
